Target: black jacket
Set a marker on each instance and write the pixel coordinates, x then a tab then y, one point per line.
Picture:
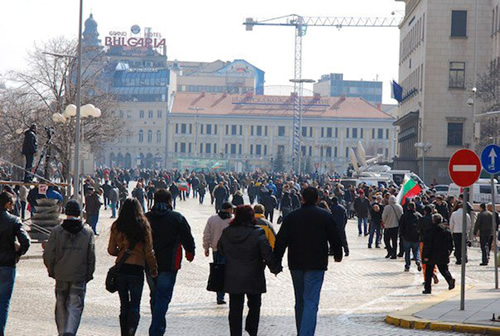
307	232
286	201
237	200
438	245
10	228
30	145
424	225
361	207
269	202
408	226
247	251
170	231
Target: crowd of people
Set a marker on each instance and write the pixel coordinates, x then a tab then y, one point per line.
148	237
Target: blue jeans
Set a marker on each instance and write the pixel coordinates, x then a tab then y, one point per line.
7	279
130	291
374	230
70	297
162	295
218	258
92	221
415	248
365	225
112	205
307	288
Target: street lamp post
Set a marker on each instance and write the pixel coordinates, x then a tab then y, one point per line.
424	147
76	176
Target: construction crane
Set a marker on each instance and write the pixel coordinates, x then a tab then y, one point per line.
301	23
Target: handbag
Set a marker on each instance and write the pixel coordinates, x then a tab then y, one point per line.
112	276
216	277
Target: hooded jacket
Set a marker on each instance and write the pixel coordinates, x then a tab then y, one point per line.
247	251
438	245
171	233
213	230
392	214
69	254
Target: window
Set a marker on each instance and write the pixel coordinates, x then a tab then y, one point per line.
190	128
354	133
455	134
150	136
175	150
457	75
159	114
361	133
227	129
458	23
373	133
380	133
201	148
241	130
281	149
329	152
239	148
347	133
322	133
304	131
141	114
251	130
141	136
335	152
121	114
329	132
347	152
387	133
233	130
158	136
208	148
281	131
150	114
183	128
209	129
215	148
233	148
190	145
201	128
215	131
265	149
176	128
251	149
258	149
183	147
265	131
259	132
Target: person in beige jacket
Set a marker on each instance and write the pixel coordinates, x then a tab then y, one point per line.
390	217
212	233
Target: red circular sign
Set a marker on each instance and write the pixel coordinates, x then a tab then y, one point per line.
464	168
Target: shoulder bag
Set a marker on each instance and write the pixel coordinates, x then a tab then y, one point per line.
111	277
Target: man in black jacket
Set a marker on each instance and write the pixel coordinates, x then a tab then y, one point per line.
30	148
408	226
10	251
362	208
307	232
170	231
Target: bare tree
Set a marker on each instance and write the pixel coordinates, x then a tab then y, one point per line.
488	91
48	85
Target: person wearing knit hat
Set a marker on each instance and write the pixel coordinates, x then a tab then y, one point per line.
69	256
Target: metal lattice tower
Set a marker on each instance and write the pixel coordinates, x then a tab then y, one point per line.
301	23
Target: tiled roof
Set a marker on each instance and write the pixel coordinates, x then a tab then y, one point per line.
274	106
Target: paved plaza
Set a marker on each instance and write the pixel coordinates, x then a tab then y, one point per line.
357	293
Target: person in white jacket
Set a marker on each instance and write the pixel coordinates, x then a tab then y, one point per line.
211	235
456	221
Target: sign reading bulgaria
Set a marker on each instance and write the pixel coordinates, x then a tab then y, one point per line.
122	39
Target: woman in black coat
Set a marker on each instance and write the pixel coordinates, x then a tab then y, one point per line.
247	251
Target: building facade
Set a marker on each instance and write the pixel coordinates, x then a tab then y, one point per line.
442	49
334	85
246	132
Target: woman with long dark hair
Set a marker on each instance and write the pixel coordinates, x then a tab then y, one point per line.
131	238
247	251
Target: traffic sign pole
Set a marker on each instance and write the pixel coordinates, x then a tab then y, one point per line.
494	224
464	246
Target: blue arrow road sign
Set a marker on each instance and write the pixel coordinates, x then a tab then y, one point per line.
490	159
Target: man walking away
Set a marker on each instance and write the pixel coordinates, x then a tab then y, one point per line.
264	224
339	214
391	216
409	233
171	232
306	233
483	229
220	194
456	222
438	244
92	206
113	199
70	259
269	202
211	235
362	208
11	229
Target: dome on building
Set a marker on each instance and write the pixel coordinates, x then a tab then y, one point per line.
90	34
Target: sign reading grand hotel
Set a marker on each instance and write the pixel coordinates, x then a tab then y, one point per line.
122	39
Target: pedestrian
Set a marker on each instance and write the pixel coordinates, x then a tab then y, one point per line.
307	233
174	191
69	256
113	199
483	229
106	188
237	198
408	227
211	235
220	194
286	201
131	235
202	190
339	214
140	194
150	193
391	216
30	148
456	225
424	225
247	251
171	232
269	202
438	245
92	206
362	208
376	210
264	224
23	198
11	229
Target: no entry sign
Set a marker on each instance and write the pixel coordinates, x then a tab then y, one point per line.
464	168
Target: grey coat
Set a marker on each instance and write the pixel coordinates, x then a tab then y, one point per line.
392	214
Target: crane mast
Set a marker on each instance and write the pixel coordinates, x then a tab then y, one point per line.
301	23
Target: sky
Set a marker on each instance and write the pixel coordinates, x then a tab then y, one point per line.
200	30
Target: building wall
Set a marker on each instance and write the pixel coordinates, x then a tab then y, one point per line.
334	85
328	149
426	56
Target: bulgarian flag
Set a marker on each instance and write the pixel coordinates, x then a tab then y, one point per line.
409	189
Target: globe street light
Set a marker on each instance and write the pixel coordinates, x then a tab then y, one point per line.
424	147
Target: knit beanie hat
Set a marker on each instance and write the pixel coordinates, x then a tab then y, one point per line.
73	208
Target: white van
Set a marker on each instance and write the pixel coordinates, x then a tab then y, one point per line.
479	193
